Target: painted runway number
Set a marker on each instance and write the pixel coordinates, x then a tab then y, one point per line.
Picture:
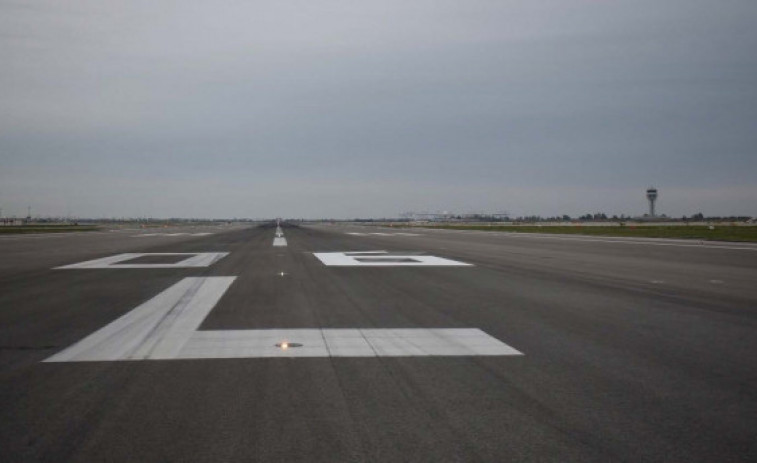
165	327
152	260
384	259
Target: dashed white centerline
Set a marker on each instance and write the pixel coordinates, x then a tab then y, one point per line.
279	239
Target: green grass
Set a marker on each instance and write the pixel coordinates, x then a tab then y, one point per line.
694	232
21	229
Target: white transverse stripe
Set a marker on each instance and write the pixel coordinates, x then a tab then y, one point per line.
165	327
375	342
194	259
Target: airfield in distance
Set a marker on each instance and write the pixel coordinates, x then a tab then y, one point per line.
340	342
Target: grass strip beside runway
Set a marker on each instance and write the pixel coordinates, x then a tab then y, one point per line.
717	233
46	229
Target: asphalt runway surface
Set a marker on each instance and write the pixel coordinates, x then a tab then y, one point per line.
593	349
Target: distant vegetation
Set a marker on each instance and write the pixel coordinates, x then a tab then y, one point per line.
590	217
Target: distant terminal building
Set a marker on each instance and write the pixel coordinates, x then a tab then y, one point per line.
447	216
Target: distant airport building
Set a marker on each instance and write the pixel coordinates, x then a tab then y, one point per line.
652	198
446	216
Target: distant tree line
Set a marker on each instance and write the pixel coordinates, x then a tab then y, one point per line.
589	217
603	217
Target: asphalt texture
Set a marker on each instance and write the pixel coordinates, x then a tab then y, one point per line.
634	350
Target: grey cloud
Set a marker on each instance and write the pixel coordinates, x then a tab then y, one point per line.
372	108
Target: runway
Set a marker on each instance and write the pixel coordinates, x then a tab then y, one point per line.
335	343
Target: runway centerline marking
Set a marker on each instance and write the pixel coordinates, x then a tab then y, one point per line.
165	328
383	259
279	239
194	259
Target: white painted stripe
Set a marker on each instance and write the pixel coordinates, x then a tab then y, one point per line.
194	259
166	340
279	239
345	343
375	342
156	329
342	259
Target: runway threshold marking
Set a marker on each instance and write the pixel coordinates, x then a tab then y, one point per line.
384	259
165	327
194	259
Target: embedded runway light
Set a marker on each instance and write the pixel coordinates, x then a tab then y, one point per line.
286	345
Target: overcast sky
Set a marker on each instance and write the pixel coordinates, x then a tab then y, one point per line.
368	109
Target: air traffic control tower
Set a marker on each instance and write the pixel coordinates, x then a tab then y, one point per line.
652	197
